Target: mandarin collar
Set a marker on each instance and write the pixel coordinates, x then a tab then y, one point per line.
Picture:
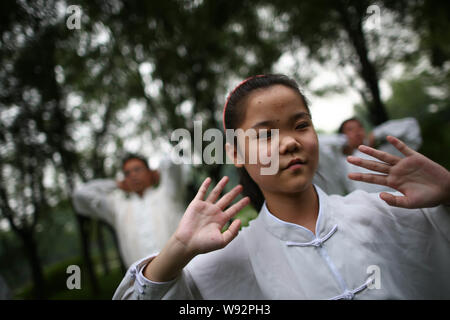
288	231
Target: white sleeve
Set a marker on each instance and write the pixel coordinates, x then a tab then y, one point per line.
332	142
135	286
93	200
407	130
173	178
331	172
439	218
429	221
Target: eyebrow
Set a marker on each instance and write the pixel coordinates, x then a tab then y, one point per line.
267	123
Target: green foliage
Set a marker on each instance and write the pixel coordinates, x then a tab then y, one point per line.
425	96
56	277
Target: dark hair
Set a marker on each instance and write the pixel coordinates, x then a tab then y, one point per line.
341	127
234	113
130	156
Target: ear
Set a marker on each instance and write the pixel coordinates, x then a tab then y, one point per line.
232	155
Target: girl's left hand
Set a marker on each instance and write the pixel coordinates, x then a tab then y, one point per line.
423	182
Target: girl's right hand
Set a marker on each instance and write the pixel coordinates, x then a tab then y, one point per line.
199	230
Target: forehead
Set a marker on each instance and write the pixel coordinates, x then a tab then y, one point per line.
132	163
352	124
276	101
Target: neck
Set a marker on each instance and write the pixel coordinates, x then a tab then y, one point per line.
348	150
300	208
142	192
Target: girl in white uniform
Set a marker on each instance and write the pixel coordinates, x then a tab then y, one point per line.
304	244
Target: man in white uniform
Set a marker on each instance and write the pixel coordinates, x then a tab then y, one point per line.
331	175
143	215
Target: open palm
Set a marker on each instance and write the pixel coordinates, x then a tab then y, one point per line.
200	228
422	182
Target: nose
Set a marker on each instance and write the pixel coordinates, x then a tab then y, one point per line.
288	145
134	174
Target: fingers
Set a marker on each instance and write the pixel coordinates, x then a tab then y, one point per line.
380	155
203	188
215	193
235	208
228	197
369	164
395	201
400	146
232	231
380	179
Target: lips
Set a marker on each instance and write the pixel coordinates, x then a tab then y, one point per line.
295	161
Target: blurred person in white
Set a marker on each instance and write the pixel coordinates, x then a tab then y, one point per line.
144	208
333	170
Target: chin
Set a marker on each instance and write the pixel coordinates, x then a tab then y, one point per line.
300	187
293	185
300	182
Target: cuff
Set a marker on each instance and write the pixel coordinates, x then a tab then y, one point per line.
146	288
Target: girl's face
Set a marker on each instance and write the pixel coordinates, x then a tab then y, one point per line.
280	107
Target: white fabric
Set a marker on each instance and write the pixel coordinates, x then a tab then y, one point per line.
143	225
333	167
273	259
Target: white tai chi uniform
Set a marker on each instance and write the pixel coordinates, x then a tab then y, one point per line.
333	168
362	249
143	224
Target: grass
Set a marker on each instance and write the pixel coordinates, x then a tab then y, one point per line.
246	215
56	287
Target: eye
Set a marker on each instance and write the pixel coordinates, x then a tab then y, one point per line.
302	125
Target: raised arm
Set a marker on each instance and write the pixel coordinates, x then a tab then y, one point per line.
173	178
199	231
406	129
423	182
92	199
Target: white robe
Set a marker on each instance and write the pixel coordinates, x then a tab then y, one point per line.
409	251
333	168
144	224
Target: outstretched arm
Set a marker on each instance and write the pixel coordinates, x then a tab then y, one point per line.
92	199
423	182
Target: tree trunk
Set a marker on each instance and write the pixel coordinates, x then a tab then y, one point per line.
353	27
35	264
83	224
116	244
102	247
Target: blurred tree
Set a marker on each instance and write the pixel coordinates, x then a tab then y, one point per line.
34	130
430	20
35	124
57	82
425	96
72	99
325	25
360	32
